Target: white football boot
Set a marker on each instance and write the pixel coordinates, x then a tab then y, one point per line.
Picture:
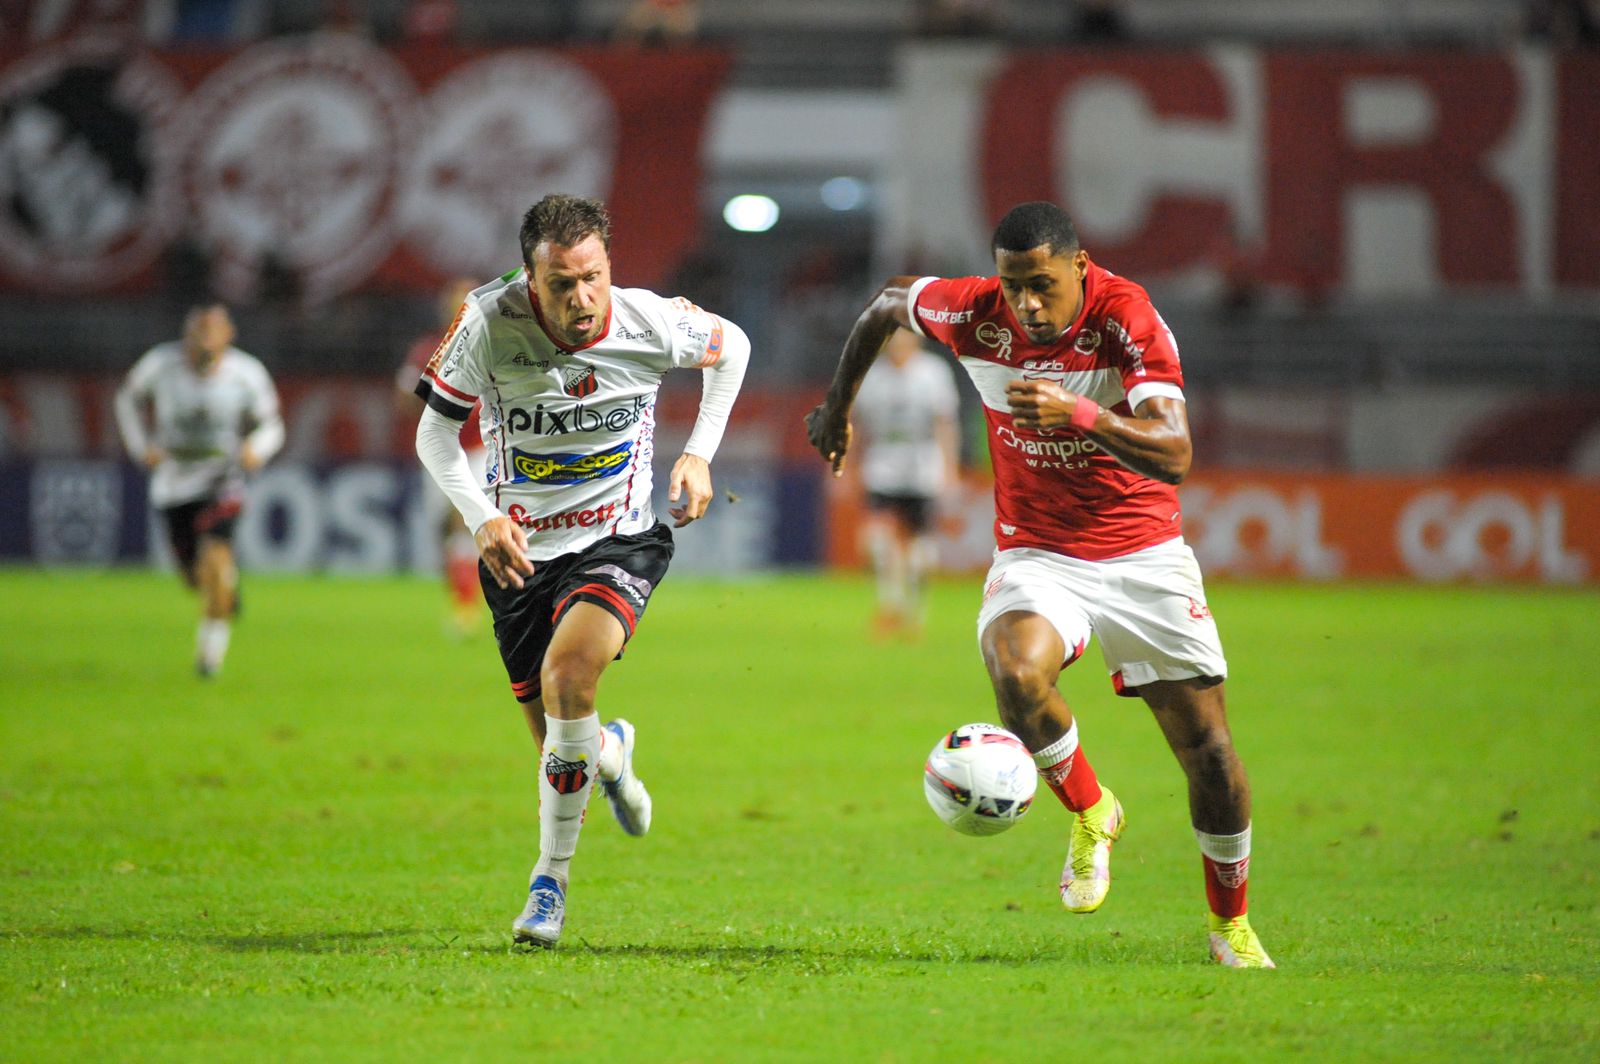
541	919
630	802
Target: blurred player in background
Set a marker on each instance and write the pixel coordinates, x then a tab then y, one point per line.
201	415
906	410
568	369
1083	395
458	552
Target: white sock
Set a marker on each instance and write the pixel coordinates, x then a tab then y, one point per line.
610	763
211	640
920	558
1224	849
566	777
1058	751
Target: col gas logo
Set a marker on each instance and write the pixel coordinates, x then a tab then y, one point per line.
569	468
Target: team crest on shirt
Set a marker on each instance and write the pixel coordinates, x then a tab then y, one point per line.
580	383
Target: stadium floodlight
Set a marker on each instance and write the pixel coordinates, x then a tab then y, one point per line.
751	213
843	193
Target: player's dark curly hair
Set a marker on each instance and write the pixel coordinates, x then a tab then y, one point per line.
1028	225
563	220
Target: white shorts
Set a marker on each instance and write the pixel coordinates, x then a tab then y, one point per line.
1147	609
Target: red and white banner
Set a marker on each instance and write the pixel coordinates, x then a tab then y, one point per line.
1366	173
335	161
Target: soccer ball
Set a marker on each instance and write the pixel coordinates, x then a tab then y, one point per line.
979	779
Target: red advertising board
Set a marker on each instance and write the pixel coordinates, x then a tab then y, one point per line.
1516	528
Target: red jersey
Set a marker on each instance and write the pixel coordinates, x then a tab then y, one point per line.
422	349
1056	490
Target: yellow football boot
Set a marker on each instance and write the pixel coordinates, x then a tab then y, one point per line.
1086	878
1234	943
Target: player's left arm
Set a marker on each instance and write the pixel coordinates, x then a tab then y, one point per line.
1153	441
724	363
267	434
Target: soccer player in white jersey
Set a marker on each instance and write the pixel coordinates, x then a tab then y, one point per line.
906	411
567	369
1088	433
213	420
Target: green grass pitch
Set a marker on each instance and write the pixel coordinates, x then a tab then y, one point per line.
318	855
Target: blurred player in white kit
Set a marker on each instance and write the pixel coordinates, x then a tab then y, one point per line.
906	412
201	415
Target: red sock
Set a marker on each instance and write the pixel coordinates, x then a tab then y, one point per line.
1072	779
462	573
1225	886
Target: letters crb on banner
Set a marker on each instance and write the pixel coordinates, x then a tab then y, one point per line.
351	165
1361	172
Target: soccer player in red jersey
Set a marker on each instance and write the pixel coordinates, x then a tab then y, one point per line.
1083	396
457	550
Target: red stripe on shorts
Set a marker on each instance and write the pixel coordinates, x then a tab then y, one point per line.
630	619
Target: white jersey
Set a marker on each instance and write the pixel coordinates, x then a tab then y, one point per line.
200	420
570	432
898	410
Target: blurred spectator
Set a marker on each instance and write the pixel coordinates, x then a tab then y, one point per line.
1563	23
958	18
1238	269
660	22
186	265
278	282
1097	20
431	20
568	19
217	20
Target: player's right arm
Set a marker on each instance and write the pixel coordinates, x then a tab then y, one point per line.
828	426
132	396
450	384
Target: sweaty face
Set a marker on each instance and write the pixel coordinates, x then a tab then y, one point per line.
1043	290
206	334
573	288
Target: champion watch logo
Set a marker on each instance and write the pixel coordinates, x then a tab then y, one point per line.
580	382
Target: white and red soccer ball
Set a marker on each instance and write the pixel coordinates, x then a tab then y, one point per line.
979	779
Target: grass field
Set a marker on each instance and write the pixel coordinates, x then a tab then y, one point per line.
318	855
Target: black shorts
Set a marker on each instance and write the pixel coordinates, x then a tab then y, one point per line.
914	511
213	517
617	574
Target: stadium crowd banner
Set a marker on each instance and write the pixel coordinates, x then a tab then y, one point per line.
333	161
1360	172
1462	527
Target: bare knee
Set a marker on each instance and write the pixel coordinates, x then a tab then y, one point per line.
567	682
1022	689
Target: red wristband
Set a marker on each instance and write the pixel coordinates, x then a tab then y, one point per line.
1084	413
